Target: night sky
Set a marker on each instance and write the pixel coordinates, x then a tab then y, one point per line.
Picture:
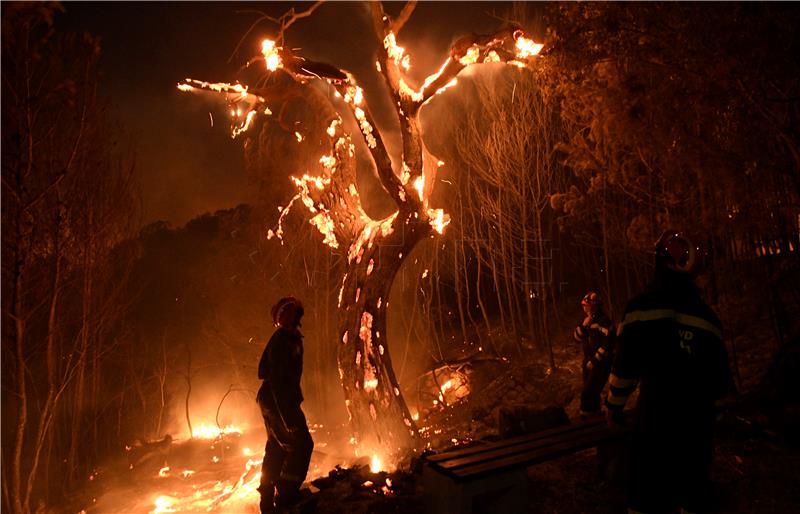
187	167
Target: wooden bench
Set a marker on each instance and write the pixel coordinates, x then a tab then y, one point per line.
492	477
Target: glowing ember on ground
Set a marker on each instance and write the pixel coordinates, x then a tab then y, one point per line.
205	431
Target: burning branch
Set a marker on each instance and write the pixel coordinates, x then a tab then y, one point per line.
332	199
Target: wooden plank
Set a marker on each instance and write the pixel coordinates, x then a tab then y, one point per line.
501	453
513	441
538	455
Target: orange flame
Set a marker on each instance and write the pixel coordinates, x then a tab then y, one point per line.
527	47
375	464
271	54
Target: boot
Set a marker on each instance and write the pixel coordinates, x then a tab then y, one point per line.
267	504
288	494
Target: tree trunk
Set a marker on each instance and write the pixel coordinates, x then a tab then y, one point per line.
379	416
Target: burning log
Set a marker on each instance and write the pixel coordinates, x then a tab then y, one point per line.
375	249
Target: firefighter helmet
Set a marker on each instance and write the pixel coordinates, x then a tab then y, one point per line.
677	252
287	312
592	299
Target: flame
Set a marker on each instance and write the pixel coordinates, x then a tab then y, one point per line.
163	471
527	47
332	127
271	54
396	52
375	464
438	220
205	431
419	185
471	56
447	86
244	126
164	504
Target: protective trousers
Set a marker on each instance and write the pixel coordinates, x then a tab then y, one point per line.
286	456
594	380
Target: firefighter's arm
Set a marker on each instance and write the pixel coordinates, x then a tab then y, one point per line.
581	331
606	330
625	372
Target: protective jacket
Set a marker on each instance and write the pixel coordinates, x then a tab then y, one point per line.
670	344
596	334
280	368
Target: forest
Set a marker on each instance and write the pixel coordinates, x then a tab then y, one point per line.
439	252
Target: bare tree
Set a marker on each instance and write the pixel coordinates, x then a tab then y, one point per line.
67	202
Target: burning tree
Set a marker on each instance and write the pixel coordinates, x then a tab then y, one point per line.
374	248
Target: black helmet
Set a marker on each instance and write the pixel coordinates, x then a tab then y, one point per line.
676	252
287	311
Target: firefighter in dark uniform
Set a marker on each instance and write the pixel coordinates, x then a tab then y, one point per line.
670	344
596	334
289	444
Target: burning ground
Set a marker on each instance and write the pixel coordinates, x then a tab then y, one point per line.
218	470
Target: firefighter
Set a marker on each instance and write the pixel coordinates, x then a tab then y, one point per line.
289	444
670	344
596	333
